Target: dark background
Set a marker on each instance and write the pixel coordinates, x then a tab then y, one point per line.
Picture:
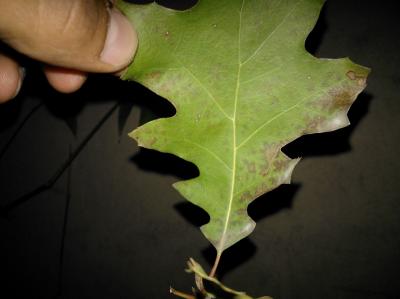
111	226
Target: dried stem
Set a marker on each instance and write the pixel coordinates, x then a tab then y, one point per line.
19	129
64	231
64	166
180	294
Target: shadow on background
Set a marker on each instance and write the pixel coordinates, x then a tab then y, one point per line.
232	258
9	113
268	204
330	143
163	163
264	206
315	38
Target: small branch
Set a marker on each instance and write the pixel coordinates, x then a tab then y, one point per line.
64	231
19	128
216	263
64	166
180	294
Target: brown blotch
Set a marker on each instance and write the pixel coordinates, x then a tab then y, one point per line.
337	99
165	88
246	197
270	152
151	142
264	171
154	75
280	164
341	100
313	124
241	212
263	188
353	76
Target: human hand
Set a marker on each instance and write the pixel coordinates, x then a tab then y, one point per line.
70	37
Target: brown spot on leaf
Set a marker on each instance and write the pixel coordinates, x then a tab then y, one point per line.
246	197
241	212
269	152
264	171
353	76
337	99
261	189
165	88
151	142
154	75
280	164
342	100
361	81
313	124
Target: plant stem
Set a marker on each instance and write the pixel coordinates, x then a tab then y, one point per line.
180	294
216	263
64	166
64	231
19	129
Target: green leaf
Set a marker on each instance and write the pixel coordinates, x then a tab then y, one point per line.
243	86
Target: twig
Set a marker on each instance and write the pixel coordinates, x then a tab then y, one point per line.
18	130
64	231
180	294
64	166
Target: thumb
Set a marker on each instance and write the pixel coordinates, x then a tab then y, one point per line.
76	34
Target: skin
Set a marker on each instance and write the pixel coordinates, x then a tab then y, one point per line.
71	38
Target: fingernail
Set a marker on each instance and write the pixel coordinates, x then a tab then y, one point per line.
22	73
121	41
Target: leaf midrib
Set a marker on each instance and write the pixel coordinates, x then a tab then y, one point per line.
234	149
232	118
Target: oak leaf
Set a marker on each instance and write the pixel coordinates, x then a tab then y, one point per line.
243	86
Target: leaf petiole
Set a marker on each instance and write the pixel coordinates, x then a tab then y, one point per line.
216	263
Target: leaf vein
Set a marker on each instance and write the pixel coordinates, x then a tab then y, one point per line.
210	152
271	34
269	72
278	115
234	151
207	91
